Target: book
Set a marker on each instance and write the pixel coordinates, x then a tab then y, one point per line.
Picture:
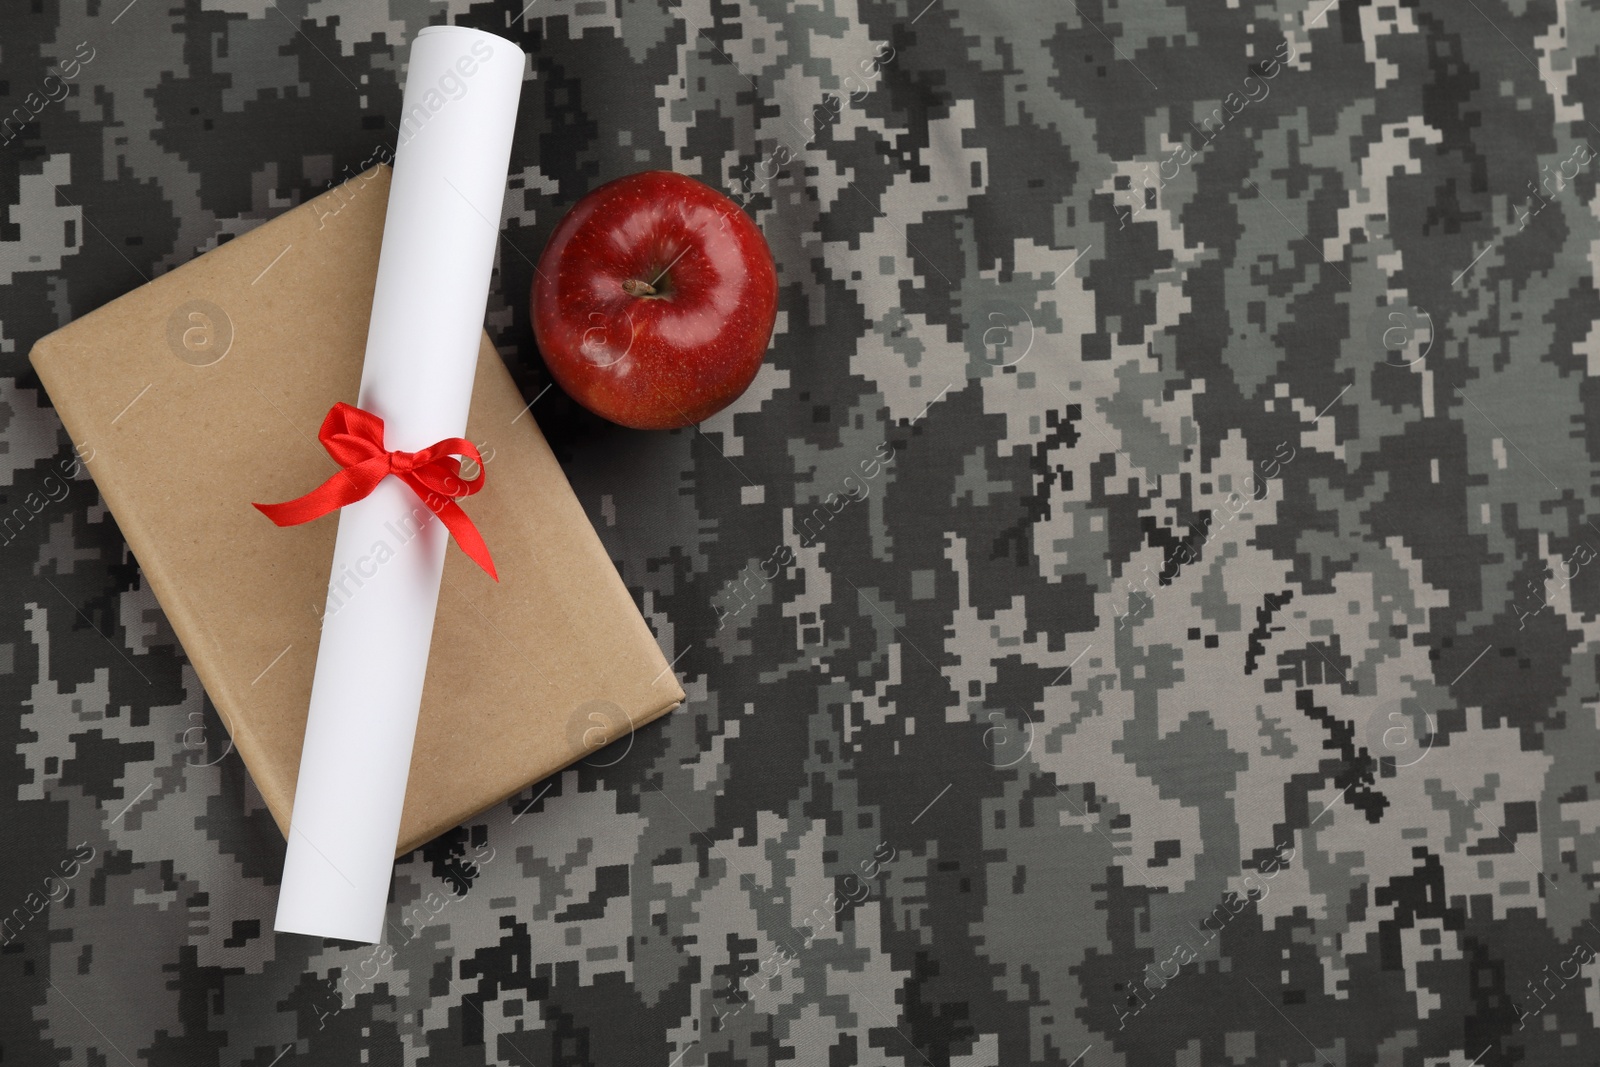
201	392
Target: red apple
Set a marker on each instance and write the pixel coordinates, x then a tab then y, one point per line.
654	301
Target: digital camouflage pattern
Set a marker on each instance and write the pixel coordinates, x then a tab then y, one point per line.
1146	611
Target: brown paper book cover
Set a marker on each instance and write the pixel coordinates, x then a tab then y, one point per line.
203	391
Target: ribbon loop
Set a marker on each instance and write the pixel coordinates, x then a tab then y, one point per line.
354	438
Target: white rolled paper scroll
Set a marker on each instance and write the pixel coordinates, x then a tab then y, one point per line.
460	108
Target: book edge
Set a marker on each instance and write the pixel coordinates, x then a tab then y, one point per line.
450	822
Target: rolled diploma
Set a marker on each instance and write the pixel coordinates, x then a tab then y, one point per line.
459	111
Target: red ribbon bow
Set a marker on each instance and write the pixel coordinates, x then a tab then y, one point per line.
354	438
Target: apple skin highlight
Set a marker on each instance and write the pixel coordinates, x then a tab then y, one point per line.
654	301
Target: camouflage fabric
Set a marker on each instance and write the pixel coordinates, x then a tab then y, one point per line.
1145	612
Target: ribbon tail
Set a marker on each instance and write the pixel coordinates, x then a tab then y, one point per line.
466	534
344	487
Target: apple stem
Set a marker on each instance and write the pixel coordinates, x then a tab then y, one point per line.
634	287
